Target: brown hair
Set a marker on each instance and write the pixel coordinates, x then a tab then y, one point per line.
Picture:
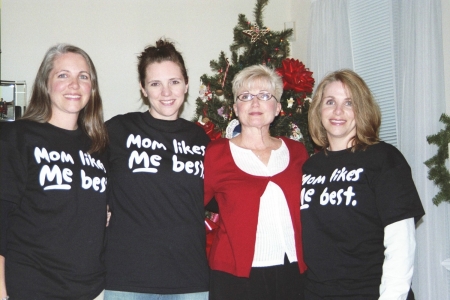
163	51
366	110
90	118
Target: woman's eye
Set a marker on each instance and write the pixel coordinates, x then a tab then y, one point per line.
63	75
86	77
264	96
154	84
329	102
175	81
348	103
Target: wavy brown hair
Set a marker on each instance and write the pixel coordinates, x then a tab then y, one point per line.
163	50
90	118
366	111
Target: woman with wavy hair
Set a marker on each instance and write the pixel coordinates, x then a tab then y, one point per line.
53	185
359	201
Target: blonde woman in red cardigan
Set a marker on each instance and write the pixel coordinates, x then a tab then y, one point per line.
256	181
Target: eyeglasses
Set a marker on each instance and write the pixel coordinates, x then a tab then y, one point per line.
246	97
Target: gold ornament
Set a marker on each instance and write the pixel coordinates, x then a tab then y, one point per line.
256	34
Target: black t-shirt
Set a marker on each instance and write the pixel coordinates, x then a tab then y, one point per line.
347	201
53	196
156	237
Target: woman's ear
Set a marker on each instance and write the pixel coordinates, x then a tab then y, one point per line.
278	109
235	109
143	91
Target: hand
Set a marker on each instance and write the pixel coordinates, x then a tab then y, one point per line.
108	215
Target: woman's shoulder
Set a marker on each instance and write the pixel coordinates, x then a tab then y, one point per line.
19	128
189	125
218	145
220	142
383	146
123	118
382	155
384	150
296	146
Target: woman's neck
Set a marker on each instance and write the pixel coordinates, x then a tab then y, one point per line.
338	145
253	140
64	122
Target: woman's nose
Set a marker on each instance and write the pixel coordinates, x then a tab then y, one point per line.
255	101
338	109
165	90
74	83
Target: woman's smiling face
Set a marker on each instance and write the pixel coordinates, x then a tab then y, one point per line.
165	89
337	115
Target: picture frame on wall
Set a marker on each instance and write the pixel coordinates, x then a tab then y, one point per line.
12	99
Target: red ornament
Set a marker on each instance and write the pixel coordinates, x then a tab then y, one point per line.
211	229
208	126
295	76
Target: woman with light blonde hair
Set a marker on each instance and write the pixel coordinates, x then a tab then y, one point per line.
256	180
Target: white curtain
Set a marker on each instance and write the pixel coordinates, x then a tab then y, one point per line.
329	44
417	38
421	101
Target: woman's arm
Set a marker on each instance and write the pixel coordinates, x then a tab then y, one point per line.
3	293
398	265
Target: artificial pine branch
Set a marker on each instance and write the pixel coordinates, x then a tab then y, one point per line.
438	171
257	12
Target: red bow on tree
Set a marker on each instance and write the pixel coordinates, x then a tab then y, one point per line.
295	76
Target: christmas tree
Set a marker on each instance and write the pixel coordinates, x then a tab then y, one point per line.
254	43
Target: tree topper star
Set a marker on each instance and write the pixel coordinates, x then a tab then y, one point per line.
256	34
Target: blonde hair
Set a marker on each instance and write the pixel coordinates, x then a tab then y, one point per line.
258	74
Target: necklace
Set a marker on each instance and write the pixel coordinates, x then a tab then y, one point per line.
261	152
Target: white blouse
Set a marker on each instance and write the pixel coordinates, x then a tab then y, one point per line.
275	232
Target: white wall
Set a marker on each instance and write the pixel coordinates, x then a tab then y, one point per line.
113	32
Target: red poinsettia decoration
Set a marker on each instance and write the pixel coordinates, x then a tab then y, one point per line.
295	76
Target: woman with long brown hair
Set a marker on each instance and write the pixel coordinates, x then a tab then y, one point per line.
53	185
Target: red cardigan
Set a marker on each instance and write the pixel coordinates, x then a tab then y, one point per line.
238	195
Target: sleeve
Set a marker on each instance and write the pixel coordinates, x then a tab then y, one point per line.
5	208
398	265
396	193
12	179
209	174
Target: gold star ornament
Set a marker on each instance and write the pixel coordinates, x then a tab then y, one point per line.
257	34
